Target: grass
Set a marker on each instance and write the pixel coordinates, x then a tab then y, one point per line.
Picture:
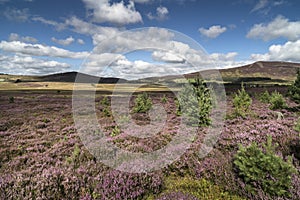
6	86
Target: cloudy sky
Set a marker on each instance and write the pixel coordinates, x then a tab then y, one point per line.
109	38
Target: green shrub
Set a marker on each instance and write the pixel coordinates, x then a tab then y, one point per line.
297	126
195	104
74	158
142	103
264	169
294	89
105	107
241	103
116	131
11	99
104	101
199	188
277	101
164	99
264	97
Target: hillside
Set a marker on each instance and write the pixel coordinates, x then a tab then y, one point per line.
258	71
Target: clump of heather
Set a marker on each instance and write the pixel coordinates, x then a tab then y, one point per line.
120	185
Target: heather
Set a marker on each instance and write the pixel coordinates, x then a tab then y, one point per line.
42	156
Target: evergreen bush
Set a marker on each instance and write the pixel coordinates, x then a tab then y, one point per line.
241	103
264	169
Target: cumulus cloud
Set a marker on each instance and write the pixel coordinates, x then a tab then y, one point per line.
16	37
64	42
116	12
167	57
39	50
19	15
279	27
213	31
80	41
290	51
161	13
27	65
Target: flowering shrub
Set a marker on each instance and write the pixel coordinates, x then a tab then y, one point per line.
264	169
42	156
119	185
241	103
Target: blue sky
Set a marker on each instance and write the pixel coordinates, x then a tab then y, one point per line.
50	36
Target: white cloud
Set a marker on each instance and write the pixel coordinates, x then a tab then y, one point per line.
39	50
80	41
142	1
58	26
161	13
167	57
77	25
260	5
16	37
290	51
27	65
18	15
213	31
64	42
118	13
279	27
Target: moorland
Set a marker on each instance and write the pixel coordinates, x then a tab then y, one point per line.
256	156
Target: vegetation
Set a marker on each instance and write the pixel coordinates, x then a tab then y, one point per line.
11	99
44	157
297	125
142	104
195	104
264	169
277	101
265	97
164	99
116	131
105	107
241	103
294	89
198	188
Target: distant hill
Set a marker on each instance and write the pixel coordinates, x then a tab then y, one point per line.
260	71
274	70
60	77
83	78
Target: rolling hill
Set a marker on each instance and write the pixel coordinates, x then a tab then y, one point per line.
261	71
